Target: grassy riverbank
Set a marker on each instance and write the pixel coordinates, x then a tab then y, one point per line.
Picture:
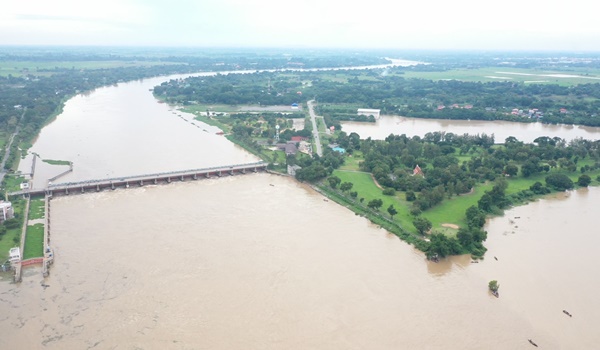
34	242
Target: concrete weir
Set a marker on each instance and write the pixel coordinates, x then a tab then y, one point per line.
138	180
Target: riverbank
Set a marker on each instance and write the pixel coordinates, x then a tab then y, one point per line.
448	216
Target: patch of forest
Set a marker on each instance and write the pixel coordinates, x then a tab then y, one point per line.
387	90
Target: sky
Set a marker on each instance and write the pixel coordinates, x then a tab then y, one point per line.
416	24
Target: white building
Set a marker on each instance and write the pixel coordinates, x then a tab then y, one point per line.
6	211
14	255
365	111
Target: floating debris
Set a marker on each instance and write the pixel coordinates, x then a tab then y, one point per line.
567	313
532	343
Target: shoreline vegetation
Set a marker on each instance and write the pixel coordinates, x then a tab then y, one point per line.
442	208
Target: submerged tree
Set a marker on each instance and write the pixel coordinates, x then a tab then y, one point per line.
494	286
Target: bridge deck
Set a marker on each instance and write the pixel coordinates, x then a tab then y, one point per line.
140	179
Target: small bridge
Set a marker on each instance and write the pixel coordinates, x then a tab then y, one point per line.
141	180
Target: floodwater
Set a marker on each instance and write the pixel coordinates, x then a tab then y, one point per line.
261	261
526	132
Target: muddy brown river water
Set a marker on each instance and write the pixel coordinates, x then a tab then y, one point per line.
260	261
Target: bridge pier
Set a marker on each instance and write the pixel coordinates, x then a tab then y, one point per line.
155	181
255	169
243	171
112	185
169	179
219	173
141	182
126	184
195	177
66	191
231	172
181	177
207	175
82	189
97	188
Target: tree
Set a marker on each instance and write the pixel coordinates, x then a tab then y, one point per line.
559	182
392	211
353	194
511	170
346	186
410	196
485	202
334	181
475	217
493	286
375	204
422	225
584	180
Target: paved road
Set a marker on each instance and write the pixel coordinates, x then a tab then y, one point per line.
8	145
313	119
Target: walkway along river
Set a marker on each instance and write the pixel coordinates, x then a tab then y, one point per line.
261	261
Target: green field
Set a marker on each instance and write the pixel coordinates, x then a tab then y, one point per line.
512	74
18	68
37	208
34	242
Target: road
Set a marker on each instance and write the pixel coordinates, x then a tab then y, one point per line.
313	119
8	146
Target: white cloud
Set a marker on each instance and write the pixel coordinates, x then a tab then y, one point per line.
376	23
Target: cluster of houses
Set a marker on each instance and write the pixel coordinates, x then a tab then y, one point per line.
453	106
531	113
295	145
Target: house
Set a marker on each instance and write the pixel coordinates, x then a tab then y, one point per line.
6	211
24	185
417	171
290	148
291	169
299	138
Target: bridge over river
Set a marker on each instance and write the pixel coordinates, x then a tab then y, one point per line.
141	180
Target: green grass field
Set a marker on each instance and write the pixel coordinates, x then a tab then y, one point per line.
12	182
34	242
513	74
37	208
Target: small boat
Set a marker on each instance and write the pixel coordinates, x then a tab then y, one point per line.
567	313
532	343
496	258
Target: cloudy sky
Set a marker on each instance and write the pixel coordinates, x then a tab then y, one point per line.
416	24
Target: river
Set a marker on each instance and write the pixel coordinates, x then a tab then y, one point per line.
526	132
261	261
